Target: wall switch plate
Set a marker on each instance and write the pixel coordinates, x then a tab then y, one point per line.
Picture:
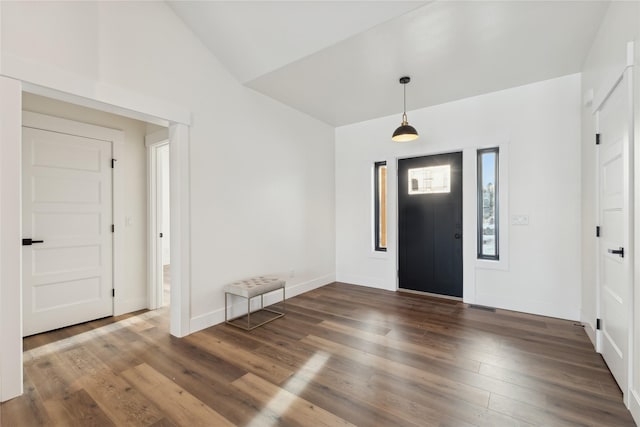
519	219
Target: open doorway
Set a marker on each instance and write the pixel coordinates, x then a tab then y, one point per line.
159	203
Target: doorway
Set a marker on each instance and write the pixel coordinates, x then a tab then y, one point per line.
430	224
159	203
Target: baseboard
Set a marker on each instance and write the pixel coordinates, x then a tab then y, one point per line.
540	308
369	282
128	306
590	330
634	406
215	317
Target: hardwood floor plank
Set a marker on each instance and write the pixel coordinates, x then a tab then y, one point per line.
122	403
433	354
240	357
287	405
77	409
28	410
445	386
180	406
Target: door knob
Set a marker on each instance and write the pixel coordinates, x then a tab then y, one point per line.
617	252
29	242
457	235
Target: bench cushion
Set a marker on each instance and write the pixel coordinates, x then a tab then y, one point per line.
254	286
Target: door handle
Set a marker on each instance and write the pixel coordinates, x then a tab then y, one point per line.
617	252
29	242
457	235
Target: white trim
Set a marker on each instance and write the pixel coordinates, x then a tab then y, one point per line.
180	221
10	298
215	317
40	78
598	333
11	232
116	137
153	141
158	137
634	406
590	330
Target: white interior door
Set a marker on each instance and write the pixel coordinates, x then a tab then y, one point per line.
614	243
66	203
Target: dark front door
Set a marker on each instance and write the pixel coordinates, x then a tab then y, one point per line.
430	224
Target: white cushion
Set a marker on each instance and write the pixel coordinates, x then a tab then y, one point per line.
253	286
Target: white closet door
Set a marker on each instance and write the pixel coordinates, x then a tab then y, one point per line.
67	203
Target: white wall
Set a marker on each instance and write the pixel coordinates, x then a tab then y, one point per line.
132	295
10	248
261	175
537	127
604	63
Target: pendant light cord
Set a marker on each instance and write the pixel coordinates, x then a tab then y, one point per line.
404	103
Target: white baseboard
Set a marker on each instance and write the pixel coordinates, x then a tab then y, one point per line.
634	406
369	282
130	305
590	330
215	317
541	308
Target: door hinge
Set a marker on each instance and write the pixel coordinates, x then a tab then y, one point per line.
113	163
598	324
113	228
597	231
113	293
597	139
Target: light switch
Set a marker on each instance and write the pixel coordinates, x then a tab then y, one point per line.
127	221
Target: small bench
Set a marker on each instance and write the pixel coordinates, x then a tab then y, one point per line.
250	288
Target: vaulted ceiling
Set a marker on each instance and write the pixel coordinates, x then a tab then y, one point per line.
340	61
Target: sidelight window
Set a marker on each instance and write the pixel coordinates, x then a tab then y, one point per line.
380	206
488	230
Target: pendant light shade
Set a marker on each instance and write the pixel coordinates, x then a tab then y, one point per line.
405	132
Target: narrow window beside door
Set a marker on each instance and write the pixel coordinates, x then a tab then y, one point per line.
488	204
380	205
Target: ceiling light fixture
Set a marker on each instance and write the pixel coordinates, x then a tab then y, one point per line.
405	132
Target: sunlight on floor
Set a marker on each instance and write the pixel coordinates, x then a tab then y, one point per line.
295	385
47	349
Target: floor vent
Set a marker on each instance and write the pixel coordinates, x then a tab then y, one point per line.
482	307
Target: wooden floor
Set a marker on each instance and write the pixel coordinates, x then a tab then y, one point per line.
343	355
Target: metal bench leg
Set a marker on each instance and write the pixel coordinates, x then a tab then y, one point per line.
226	295
248	313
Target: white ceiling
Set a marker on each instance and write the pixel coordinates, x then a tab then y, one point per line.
340	61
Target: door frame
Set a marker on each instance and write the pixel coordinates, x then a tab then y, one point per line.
627	73
122	102
153	142
470	263
397	206
116	137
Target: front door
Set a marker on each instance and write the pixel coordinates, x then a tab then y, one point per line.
66	229
430	224
614	255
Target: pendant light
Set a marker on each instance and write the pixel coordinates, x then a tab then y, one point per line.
405	132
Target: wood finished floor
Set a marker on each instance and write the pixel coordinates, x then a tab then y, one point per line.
343	355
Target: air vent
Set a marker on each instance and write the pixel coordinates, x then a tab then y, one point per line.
482	307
